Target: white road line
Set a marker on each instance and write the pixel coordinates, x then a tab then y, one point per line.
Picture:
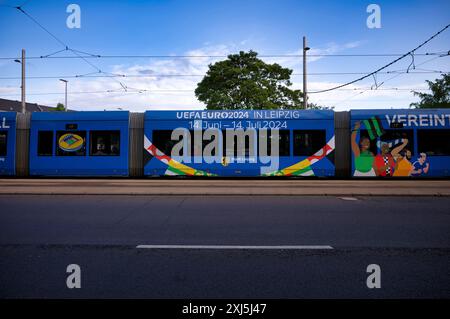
237	247
348	198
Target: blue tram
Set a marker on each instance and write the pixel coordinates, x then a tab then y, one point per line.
7	143
304	139
242	143
400	143
79	144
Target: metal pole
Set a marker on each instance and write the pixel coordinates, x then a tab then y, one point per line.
65	102
65	94
305	93
24	107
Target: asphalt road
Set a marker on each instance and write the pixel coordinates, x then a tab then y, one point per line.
408	237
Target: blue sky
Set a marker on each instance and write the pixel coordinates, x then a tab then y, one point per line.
217	28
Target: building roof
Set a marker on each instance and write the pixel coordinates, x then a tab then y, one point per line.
16	106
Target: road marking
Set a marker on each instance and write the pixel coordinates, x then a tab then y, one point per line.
237	247
348	198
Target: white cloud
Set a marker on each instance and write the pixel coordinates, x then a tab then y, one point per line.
177	92
8	90
292	60
357	96
159	90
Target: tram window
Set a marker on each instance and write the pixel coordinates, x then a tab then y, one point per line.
212	140
104	143
308	142
391	136
70	143
3	142
226	149
163	142
235	143
205	142
434	142
284	142
195	148
45	143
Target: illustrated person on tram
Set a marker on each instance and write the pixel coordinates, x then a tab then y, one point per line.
384	162
364	158
421	166
402	157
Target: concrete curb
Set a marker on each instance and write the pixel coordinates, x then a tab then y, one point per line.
418	188
227	195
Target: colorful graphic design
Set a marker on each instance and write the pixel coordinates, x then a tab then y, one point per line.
393	157
303	168
421	166
174	167
364	158
374	127
70	142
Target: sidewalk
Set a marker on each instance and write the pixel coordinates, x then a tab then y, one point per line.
245	187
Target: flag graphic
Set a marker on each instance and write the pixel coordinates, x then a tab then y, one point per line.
374	127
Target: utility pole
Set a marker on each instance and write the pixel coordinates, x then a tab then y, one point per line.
305	89
24	107
65	99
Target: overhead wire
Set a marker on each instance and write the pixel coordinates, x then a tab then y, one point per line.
385	66
389	79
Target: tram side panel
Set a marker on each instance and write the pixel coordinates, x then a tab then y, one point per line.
7	143
400	143
79	144
306	143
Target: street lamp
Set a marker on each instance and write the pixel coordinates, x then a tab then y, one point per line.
65	101
24	108
305	93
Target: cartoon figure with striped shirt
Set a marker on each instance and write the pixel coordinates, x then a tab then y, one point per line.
384	162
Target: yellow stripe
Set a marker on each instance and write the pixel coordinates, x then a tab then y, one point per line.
185	169
296	167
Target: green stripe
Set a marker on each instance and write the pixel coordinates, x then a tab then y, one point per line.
376	125
369	129
174	170
271	174
301	171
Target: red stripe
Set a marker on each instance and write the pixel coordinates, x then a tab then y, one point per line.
154	152
325	150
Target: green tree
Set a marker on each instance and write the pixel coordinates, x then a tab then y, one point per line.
60	107
314	106
439	96
243	81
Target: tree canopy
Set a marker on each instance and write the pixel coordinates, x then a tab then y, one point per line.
439	96
243	81
59	107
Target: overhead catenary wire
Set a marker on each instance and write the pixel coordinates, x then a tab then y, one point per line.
75	52
134	56
132	90
171	91
108	75
389	79
41	26
387	65
99	73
